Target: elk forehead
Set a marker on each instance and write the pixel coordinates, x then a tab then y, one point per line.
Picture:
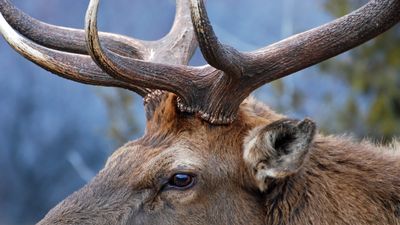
180	153
143	164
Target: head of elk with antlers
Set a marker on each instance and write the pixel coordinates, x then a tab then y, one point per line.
210	155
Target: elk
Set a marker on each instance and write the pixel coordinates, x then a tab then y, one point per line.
211	154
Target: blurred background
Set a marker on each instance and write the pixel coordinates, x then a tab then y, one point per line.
56	134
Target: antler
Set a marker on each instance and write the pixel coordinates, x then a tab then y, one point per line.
63	50
153	75
250	70
63	38
213	91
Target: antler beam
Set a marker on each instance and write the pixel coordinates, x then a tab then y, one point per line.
299	51
68	65
63	38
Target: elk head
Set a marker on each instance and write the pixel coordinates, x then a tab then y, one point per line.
209	153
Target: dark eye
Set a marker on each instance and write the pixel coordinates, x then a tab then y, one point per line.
181	181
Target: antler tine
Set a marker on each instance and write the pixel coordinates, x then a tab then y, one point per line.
179	45
71	66
218	55
173	78
63	38
299	51
316	45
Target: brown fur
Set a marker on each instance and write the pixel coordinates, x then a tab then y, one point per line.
339	182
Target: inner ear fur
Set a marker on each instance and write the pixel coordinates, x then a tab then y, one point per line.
279	149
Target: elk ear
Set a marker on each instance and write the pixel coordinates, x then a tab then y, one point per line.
279	149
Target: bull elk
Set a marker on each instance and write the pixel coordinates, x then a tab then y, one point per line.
210	153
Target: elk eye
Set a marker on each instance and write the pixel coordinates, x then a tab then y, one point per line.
181	181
